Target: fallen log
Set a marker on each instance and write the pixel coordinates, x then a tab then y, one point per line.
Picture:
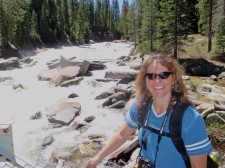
124	151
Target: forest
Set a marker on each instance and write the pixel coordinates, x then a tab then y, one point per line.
153	25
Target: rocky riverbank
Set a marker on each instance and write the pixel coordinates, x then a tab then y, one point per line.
80	97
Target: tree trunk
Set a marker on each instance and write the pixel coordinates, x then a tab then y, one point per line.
175	30
210	27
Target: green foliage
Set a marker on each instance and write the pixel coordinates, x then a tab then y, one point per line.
161	23
3	26
124	19
192	84
14	14
173	23
144	47
220	40
45	31
194	46
202	23
216	126
54	21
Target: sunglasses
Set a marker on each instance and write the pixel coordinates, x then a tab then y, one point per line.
162	75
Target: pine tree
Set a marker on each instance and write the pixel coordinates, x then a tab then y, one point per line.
220	33
124	19
91	14
98	15
105	13
116	18
132	23
148	29
34	25
203	16
45	28
82	24
73	18
220	38
60	21
65	10
3	27
52	13
174	22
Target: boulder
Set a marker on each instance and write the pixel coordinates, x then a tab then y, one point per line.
63	113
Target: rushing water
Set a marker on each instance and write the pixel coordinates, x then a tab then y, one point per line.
17	106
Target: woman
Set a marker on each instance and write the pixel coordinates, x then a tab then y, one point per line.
160	80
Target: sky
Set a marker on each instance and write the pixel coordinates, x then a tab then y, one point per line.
121	2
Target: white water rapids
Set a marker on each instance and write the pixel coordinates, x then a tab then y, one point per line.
17	106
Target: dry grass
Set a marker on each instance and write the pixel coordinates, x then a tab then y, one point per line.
194	46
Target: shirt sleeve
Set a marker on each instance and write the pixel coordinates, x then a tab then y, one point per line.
131	116
195	135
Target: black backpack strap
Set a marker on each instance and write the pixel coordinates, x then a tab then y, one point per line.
142	116
142	113
175	127
156	131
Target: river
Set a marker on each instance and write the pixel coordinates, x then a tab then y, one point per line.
17	106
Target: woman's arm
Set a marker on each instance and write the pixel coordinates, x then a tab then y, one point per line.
117	140
198	161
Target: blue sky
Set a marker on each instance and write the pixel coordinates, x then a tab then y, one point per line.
121	2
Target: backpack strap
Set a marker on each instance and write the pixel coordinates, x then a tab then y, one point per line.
156	131
175	127
142	113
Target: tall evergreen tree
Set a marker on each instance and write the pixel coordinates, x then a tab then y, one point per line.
132	22
34	25
3	26
45	28
52	13
66	17
82	24
203	9
116	18
139	8
73	18
149	20
220	38
91	14
210	25
220	33
98	15
174	21
61	21
124	18
105	13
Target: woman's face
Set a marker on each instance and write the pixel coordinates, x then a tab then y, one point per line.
159	87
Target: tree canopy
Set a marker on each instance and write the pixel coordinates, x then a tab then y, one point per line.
156	25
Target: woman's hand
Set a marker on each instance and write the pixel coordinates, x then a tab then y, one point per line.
92	163
116	141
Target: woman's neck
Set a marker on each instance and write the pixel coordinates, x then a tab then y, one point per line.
160	105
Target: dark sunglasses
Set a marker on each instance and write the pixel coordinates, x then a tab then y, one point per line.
162	75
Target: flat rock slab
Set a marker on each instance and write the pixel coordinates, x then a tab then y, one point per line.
63	113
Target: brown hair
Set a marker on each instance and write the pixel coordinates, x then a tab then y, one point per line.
179	90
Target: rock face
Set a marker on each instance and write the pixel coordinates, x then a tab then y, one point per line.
9	64
197	67
57	76
66	72
63	113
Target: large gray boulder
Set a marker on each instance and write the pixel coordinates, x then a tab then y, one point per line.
63	113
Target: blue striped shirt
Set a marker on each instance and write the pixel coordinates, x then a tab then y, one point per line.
194	136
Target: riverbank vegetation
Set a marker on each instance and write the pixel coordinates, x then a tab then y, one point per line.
153	25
